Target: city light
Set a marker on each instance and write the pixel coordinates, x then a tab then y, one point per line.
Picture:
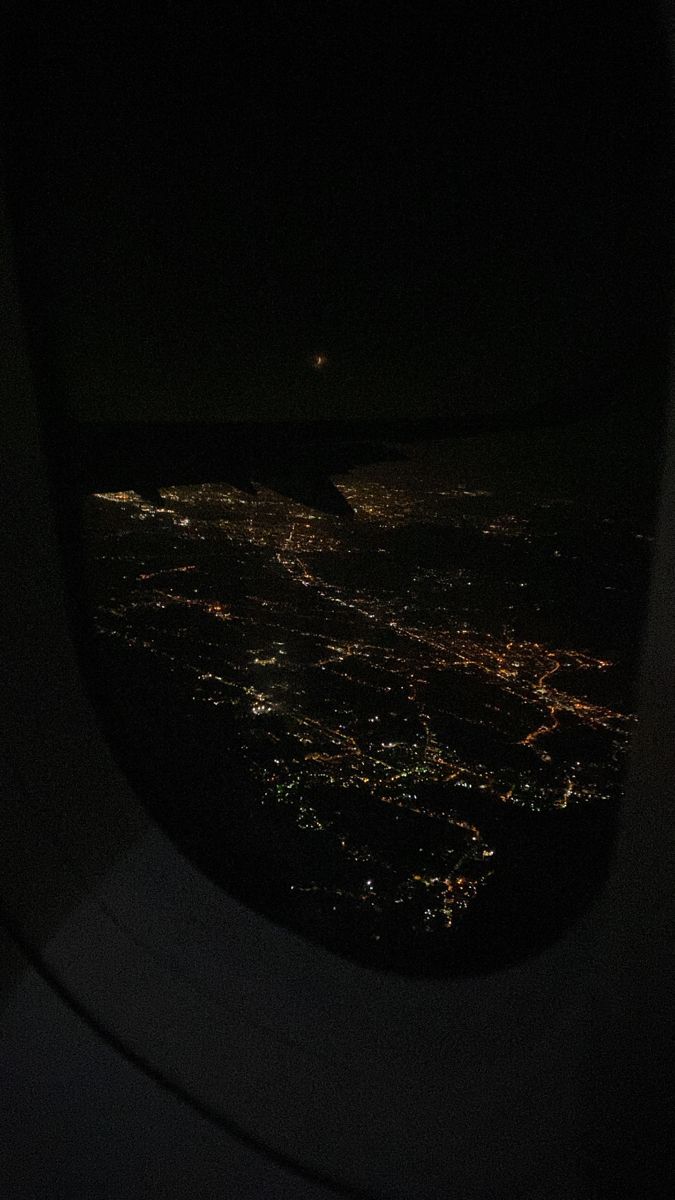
393	692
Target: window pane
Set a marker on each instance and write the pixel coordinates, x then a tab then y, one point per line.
403	730
351	341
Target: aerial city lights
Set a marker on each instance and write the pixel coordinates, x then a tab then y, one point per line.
383	696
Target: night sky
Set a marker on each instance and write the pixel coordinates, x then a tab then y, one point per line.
464	207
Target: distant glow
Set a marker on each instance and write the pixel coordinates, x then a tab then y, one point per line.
319	361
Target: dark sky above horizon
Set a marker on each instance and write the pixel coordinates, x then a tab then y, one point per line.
464	207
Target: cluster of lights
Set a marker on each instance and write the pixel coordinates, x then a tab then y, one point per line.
382	653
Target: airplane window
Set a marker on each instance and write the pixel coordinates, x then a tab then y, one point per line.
352	343
397	725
